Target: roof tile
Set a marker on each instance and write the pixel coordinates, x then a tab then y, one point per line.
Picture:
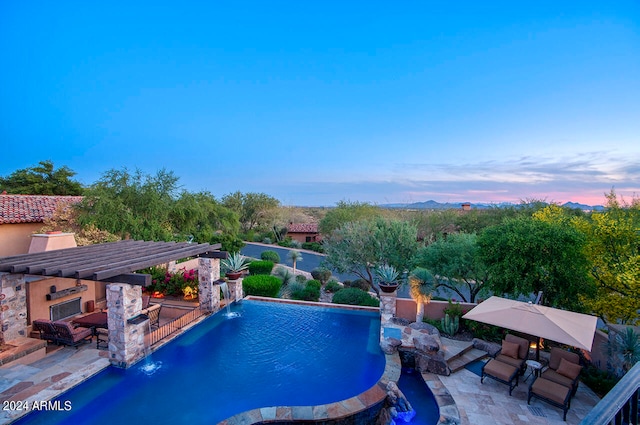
31	208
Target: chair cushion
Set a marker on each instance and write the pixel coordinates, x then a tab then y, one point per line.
550	390
554	376
523	344
558	354
569	369
509	349
500	370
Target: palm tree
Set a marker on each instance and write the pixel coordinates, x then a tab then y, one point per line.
294	256
421	287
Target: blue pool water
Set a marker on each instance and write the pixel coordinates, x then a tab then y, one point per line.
272	354
420	397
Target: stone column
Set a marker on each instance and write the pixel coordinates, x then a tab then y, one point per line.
126	339
13	307
388	304
235	289
208	291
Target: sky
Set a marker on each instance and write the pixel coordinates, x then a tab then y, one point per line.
317	102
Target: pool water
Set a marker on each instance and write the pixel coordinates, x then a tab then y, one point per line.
270	354
420	397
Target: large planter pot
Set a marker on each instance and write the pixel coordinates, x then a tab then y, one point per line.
234	276
388	287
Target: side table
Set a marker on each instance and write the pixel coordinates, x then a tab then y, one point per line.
534	368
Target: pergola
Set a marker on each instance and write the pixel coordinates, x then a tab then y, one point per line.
108	262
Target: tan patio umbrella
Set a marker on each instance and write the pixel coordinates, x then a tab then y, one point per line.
565	327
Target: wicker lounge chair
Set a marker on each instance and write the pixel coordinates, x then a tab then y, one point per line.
551	392
154	315
564	369
68	335
46	329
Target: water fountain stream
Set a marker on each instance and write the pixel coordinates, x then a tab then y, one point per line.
149	367
227	297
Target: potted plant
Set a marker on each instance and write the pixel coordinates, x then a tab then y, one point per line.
235	264
387	278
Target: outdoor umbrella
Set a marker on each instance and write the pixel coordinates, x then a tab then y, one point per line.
565	327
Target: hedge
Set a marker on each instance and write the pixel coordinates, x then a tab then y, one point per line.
260	267
354	296
261	285
270	256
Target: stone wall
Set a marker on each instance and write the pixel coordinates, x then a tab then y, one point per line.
235	289
13	307
126	340
208	291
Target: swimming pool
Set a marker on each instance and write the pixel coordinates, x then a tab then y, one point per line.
272	354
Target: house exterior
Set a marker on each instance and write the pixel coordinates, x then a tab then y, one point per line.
304	232
23	215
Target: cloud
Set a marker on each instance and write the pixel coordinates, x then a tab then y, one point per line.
580	178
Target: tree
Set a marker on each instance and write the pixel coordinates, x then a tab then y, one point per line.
613	248
294	256
41	180
346	212
359	247
255	210
455	264
132	205
65	219
524	255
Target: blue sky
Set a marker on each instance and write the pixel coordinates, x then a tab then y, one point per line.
317	102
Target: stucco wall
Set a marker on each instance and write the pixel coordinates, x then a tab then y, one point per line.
16	238
38	306
406	309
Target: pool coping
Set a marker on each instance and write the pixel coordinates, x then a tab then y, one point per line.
325	413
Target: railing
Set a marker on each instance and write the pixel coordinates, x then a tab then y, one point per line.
620	405
175	325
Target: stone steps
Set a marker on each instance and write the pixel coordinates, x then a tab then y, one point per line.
469	356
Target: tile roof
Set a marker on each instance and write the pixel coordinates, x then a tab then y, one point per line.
31	208
303	228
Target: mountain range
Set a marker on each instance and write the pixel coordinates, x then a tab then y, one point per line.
434	205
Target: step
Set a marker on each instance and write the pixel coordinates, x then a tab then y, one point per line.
453	348
470	356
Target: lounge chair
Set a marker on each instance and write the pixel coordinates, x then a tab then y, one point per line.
46	330
501	372
68	335
514	352
102	338
552	393
564	369
154	315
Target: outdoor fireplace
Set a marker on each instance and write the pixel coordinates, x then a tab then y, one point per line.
65	309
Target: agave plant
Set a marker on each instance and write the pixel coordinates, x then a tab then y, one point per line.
624	350
235	263
387	275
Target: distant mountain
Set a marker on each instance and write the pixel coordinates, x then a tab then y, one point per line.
434	205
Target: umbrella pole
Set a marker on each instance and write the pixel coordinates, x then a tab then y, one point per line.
538	349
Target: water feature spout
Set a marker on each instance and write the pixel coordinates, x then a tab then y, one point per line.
149	367
227	298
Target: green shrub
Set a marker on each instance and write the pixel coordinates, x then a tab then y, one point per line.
285	275
313	246
358	283
333	286
301	279
453	310
260	267
306	293
269	255
314	284
598	380
354	296
322	274
261	285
